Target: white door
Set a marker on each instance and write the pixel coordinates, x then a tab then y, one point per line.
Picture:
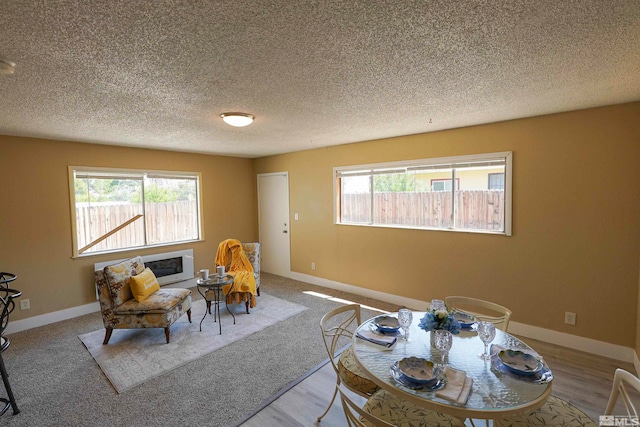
273	223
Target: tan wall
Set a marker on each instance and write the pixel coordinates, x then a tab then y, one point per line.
576	223
35	221
638	327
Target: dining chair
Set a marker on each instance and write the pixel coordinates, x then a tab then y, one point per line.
481	309
338	327
356	416
618	391
554	412
392	410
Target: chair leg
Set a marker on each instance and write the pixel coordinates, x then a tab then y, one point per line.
189	315
335	393
107	336
209	306
247	305
166	333
11	400
258	291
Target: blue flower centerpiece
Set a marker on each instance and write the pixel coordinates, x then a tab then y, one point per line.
440	319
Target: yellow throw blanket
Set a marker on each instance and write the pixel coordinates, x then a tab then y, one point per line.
244	282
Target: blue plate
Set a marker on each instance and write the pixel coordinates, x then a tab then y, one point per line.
386	323
418	370
377	331
520	362
399	377
465	319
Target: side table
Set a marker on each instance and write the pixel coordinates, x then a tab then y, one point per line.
215	283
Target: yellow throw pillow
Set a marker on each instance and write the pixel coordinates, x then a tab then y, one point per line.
144	284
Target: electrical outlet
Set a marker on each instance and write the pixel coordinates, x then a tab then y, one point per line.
313	265
569	318
25	304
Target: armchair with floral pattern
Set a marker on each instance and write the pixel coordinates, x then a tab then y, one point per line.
120	310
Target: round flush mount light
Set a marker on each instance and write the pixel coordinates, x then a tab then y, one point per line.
6	66
237	119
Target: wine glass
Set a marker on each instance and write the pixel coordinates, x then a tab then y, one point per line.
405	317
486	332
437	304
444	340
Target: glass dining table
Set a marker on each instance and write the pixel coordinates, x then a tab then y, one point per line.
496	393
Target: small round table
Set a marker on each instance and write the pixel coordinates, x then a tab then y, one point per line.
215	283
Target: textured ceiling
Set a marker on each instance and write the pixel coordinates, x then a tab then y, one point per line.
157	74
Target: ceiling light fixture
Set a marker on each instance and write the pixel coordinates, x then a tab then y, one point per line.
237	119
6	66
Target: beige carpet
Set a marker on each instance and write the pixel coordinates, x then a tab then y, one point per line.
134	356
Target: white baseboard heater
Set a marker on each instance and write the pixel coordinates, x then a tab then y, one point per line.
169	267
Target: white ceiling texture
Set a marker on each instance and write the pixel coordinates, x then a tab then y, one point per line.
158	74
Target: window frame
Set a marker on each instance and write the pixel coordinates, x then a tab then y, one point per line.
131	173
408	164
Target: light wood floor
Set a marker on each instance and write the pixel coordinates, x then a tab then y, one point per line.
580	378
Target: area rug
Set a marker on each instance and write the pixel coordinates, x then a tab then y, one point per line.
134	356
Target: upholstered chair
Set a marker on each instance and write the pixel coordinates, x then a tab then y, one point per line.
120	310
399	412
554	412
252	251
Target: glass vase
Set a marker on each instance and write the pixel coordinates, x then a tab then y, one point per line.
432	338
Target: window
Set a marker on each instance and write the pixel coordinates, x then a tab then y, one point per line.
419	194
443	184
115	210
496	181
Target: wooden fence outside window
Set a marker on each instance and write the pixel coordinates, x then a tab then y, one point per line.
476	209
165	222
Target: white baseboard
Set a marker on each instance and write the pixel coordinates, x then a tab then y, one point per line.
600	348
56	316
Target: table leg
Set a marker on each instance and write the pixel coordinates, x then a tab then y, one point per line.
205	310
218	295
232	315
217	310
